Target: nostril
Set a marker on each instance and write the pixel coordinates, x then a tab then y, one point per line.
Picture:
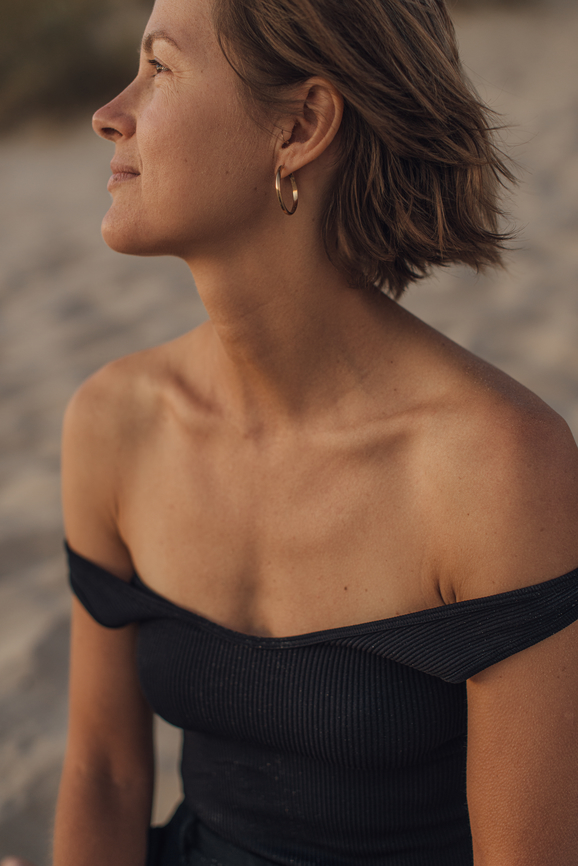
111	134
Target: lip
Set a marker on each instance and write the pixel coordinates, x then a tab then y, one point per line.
121	173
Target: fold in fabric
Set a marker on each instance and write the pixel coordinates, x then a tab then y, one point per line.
453	642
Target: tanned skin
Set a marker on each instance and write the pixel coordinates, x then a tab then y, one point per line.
311	457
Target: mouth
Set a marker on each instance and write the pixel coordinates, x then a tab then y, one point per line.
121	173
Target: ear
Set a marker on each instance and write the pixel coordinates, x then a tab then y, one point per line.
307	134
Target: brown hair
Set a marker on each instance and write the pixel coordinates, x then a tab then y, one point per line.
418	172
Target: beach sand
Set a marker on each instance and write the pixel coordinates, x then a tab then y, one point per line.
68	305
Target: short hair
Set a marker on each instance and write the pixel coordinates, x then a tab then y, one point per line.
419	171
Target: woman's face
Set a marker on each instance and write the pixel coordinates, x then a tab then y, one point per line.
191	168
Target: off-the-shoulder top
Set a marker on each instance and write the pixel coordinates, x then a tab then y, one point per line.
339	747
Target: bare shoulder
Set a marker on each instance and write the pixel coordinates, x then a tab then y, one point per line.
108	413
118	402
512	521
107	425
113	395
505	479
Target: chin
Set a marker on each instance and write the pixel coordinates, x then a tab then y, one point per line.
126	235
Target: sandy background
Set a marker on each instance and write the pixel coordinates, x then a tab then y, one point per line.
68	305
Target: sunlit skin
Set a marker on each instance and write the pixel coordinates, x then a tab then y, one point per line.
194	185
311	457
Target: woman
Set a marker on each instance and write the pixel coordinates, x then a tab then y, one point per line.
347	530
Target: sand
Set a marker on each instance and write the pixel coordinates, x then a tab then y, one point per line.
68	305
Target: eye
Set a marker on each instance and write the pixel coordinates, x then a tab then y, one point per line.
158	67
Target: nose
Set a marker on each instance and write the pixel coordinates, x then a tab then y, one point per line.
113	121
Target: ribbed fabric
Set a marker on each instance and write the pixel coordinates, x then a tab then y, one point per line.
332	748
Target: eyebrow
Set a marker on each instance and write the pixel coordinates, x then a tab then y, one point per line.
149	38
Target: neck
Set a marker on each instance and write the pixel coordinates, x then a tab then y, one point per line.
288	337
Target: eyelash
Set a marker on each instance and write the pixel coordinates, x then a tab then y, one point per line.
158	67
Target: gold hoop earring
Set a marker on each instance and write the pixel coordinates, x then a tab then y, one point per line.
280	194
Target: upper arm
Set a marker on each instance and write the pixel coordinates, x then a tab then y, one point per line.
110	725
523	756
523	711
110	722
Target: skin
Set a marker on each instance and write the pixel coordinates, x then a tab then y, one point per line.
312	457
15	861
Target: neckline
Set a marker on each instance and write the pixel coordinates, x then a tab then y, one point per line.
445	611
307	637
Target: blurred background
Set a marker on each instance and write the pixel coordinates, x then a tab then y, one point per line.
68	305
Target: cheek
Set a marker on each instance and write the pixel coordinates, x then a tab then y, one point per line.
174	145
205	177
206	165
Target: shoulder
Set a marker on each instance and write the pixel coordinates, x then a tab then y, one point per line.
96	439
505	482
123	398
108	428
517	526
110	397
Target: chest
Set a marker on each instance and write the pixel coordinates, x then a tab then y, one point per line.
289	539
329	701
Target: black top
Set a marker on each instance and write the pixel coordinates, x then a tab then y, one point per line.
337	747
